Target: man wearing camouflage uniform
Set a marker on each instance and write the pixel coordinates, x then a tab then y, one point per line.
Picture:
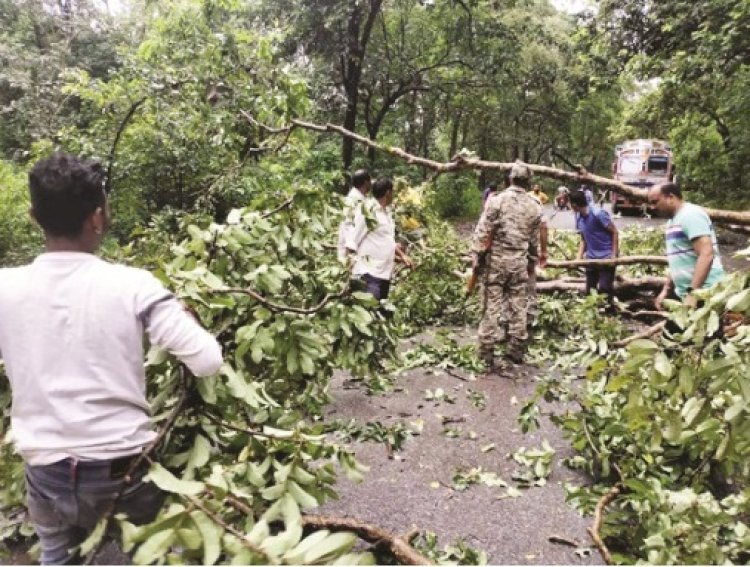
510	223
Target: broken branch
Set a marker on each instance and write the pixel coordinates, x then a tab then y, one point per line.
396	545
599	518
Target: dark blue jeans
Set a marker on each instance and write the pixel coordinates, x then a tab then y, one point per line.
602	279
378	287
66	500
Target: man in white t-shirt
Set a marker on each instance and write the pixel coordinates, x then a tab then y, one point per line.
71	339
361	183
373	241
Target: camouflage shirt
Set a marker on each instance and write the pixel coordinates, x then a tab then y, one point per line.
515	217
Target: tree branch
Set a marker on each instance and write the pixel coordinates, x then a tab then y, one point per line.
650	331
599	518
621	261
396	545
278	308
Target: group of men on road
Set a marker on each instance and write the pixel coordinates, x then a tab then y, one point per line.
511	236
367	235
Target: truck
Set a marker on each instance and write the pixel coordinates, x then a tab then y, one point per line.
640	163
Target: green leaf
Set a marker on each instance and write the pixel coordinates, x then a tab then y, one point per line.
165	480
336	543
662	365
190	538
295	555
155	547
211	534
199	454
305	500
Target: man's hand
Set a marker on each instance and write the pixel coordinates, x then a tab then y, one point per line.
407	262
659	301
474	262
543	260
690	301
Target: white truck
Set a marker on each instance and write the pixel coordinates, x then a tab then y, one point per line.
640	163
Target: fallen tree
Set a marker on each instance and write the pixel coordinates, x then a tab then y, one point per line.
624	285
465	160
621	261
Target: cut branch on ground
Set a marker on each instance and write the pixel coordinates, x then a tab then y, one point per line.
396	545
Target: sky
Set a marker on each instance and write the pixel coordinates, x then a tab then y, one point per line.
572	6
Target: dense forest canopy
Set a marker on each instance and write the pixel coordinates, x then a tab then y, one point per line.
504	80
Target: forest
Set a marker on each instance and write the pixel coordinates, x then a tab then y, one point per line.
229	131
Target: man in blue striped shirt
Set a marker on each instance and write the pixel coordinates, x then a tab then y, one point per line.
692	249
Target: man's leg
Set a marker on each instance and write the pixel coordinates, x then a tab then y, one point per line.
489	331
516	289
52	508
531	309
606	283
592	278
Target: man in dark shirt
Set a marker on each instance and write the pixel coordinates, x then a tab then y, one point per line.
599	240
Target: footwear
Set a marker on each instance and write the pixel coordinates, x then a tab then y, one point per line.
516	351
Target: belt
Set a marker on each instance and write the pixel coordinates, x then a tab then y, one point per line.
117	468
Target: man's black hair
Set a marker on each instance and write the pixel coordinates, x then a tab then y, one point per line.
360	177
670	188
381	186
578	198
65	190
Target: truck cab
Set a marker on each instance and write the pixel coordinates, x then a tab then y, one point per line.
640	163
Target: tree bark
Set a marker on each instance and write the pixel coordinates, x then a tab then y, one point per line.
626	285
621	261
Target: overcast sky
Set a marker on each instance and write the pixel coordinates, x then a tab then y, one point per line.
572	6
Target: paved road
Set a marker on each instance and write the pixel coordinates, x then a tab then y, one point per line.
564	219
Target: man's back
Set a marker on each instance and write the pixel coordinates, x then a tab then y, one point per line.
71	336
515	216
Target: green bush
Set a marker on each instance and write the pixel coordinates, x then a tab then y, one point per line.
456	196
20	239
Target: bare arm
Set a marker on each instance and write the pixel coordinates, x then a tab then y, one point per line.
705	250
543	240
615	240
659	301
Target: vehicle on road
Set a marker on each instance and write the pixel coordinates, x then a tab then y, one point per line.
640	163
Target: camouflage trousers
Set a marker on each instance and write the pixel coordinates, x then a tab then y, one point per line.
504	303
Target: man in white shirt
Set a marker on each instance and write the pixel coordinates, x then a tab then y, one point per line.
373	241
71	338
361	183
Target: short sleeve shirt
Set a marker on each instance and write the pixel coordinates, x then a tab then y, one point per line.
594	228
690	222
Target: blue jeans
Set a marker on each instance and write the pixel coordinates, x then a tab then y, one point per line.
66	500
378	287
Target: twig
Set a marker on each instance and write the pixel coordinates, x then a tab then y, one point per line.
451	373
251	432
113	150
285	205
652	330
219	521
599	518
128	478
401	550
563	541
283	308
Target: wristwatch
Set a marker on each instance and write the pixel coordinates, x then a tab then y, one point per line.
689	289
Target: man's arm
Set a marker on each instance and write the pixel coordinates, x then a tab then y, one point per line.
484	231
663	294
705	250
402	257
543	241
615	240
357	231
170	326
581	248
